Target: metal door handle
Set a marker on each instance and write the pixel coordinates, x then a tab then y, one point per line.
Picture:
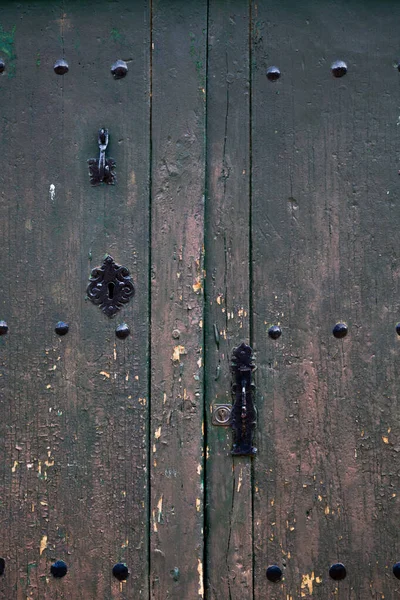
242	414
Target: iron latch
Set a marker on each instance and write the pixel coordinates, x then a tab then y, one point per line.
102	170
242	414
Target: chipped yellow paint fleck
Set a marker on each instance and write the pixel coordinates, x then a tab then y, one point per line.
272	502
154	521
320	498
327	510
307	582
125	544
105	374
53	368
385	439
43	544
240	480
201	582
142	401
157	434
154	448
164	398
318	580
198	504
14	468
197	286
48	386
199	362
389	429
220	299
115	352
178	350
199	469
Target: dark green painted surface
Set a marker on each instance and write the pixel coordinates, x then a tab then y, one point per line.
240	203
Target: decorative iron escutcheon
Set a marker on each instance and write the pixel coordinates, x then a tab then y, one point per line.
110	286
102	170
243	414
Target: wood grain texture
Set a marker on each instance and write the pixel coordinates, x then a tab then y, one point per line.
74	409
325	207
177	420
228	480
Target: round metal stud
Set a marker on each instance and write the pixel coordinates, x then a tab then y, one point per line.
340	330
274	332
59	569
273	73
119	69
3	328
337	571
396	570
2	65
2	566
176	334
274	573
61	67
61	328
120	571
122	331
339	68
398	328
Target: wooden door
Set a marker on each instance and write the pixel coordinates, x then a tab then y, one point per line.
245	199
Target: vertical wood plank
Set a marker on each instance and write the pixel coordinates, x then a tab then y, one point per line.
178	130
325	184
74	408
228	480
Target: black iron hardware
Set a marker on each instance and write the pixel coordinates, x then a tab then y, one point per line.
243	414
274	573
340	330
121	571
59	569
122	331
61	328
110	286
273	73
338	571
61	67
339	68
3	328
102	170
119	69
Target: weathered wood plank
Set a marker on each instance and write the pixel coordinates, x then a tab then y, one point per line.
178	129
74	409
228	480
325	185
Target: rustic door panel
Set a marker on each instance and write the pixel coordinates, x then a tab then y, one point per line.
325	211
178	143
74	408
227	317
